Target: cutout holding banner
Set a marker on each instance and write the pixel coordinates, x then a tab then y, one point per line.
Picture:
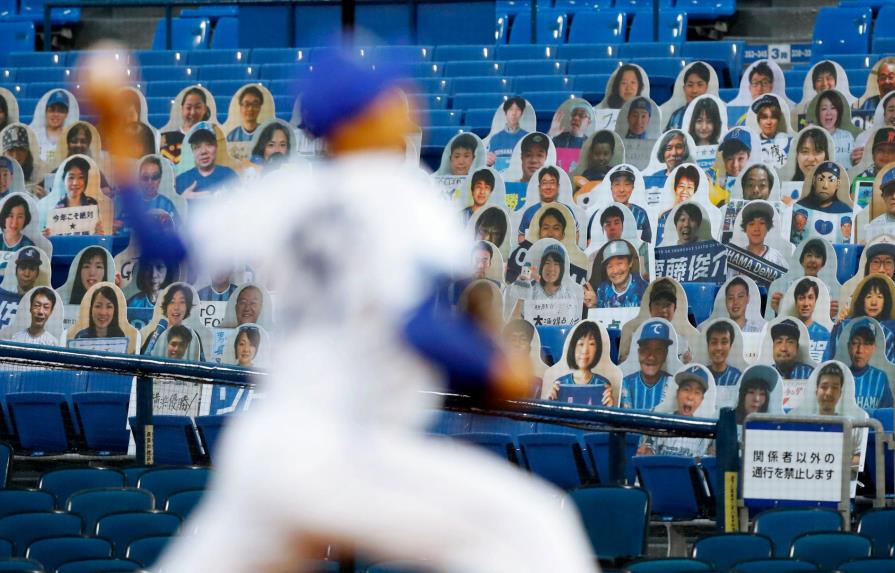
545	292
77	205
551	221
585	364
688	251
757	249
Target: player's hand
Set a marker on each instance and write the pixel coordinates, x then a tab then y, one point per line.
590	296
775	301
607	399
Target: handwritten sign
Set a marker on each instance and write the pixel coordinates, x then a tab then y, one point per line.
176	399
116	344
67	221
560	312
449	185
702	261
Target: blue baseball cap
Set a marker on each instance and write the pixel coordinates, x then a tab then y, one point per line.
28	255
693	374
736	139
655	330
802	212
761	373
640	103
58	97
766	99
880	249
828	167
863	327
887	183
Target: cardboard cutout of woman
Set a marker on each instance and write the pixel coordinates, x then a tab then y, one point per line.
817	258
551	221
149	279
463	154
786	347
768	116
9	108
878	257
687	182
720	348
91	266
697	79
77	205
247	347
486	263
626	83
739	148
601	152
830	110
482	300
824	75
624	184
522	342
880	82
549	185
664	298
705	119
102	322
483	187
639	124
809	148
586	374
81	138
808	300
19	143
861	345
760	391
689	251
674	148
20	221
690	393
757	248
513	119
761	77
272	145
205	166
881	152
545	292
251	106
29	267
647	371
492	224
251	303
573	123
192	105
12	178
177	307
40	320
874	297
618	280
739	301
826	200
55	110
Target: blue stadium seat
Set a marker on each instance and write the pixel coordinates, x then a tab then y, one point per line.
228	72
124	528
784	525
439	136
94	565
615	519
463	53
14	501
850	61
161	57
160	105
512	7
186	34
430	86
858	77
849	256
841	31
62	483
534	67
404	54
597	444
425	70
36	89
535	83
147	550
24	528
54	551
7	550
547	102
42	421
92	504
730	52
55	74
669	480
701	298
36	59
661	67
879	526
499	425
598	27
883	43
551	27
398	567
829	549
573	7
868	565
706	9
9	9
21	565
602	67
182	503
728	94
447	423
478	118
443	117
592	86
162	482
217	57
725	550
175	440
209	428
481	84
586	51
151	74
210	11
277	55
647	49
224	90
5	459
432	101
672	26
552	340
774	566
107	381
526	52
102	418
132	474
501	445
677	564
558	458
284	71
480	100
459	69
16	36
225	35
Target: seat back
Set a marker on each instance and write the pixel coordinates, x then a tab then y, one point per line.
162	482
829	549
53	551
774	566
555	457
14	501
147	550
724	551
175	440
868	565
500	445
552	340
186	34
879	526
209	428
182	503
93	504
615	519
784	525
94	565
603	26
124	528
669	480
102	417
21	566
841	31
42	421
62	483
226	33
671	564
24	528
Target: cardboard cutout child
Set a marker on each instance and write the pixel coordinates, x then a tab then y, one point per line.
757	249
639	125
482	187
585	363
463	154
492	224
601	152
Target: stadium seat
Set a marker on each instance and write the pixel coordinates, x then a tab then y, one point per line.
16	36
276	56
56	75
425	70
443	117
34	10
672	26
558	458
161	57
108	382
499	425
481	84
869	565
701	298
525	52
402	53
102	418
534	67
5	460
841	31
829	549
449	423
186	34
548	101
14	501
225	34
605	67
228	72
53	551
147	550
459	69
784	525
725	550
439	136
432	101
209	428
591	86
36	59
534	83
598	27
882	43
92	504
21	566
552	340
597	444
774	566
463	53
24	528
217	57
615	518
9	382
162	482
183	502
551	27
675	564
124	528
669	479
879	526
7	550
430	86
42	421
175	440
587	51
501	445
62	483
94	565
729	52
